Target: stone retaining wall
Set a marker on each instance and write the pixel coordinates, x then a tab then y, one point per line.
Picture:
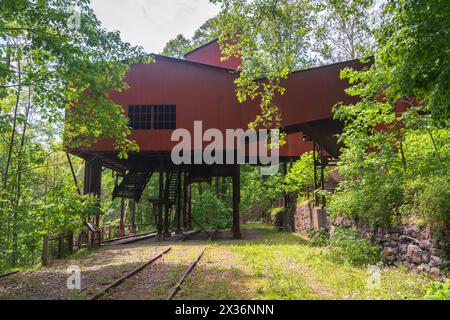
306	216
407	244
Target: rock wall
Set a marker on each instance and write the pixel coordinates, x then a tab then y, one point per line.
302	217
406	244
305	216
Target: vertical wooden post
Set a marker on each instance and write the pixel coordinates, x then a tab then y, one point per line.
44	255
159	222
185	201
139	216
61	246
285	197
167	207
92	238
99	238
189	207
315	173
70	241
122	215
236	199
178	205
133	216
322	176
93	181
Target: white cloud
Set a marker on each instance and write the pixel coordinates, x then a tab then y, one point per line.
151	23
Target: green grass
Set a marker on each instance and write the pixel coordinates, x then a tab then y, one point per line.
285	265
268	264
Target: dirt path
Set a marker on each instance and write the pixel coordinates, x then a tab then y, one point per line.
98	269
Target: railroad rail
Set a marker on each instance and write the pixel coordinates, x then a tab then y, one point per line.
180	281
119	281
8	274
175	289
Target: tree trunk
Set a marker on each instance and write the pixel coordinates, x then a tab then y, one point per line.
18	184
13	133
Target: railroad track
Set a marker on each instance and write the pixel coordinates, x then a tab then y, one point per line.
148	264
174	290
119	281
8	274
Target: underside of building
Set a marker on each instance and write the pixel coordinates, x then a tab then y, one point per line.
171	93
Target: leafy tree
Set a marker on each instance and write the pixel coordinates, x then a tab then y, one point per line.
273	38
414	50
180	45
345	30
396	164
255	187
66	67
207	32
177	47
55	74
301	175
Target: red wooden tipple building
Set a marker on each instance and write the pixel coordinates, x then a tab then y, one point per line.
174	93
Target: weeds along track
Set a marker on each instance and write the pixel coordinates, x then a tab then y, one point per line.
161	277
173	291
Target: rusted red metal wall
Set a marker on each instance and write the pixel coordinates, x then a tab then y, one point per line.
210	54
207	93
310	94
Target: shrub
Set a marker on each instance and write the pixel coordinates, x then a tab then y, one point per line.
438	290
348	246
372	199
275	212
377	188
434	201
276	216
210	211
319	237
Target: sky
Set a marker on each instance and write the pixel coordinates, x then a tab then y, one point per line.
151	23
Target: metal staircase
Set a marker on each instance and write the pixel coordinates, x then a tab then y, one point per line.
172	185
132	184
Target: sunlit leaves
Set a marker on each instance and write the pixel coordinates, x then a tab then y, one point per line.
396	164
66	67
272	38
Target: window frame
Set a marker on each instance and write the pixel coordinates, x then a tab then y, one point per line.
152	116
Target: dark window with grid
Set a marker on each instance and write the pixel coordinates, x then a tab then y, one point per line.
152	116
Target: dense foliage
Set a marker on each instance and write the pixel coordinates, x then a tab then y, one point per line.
438	291
275	38
180	45
395	165
346	245
54	58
